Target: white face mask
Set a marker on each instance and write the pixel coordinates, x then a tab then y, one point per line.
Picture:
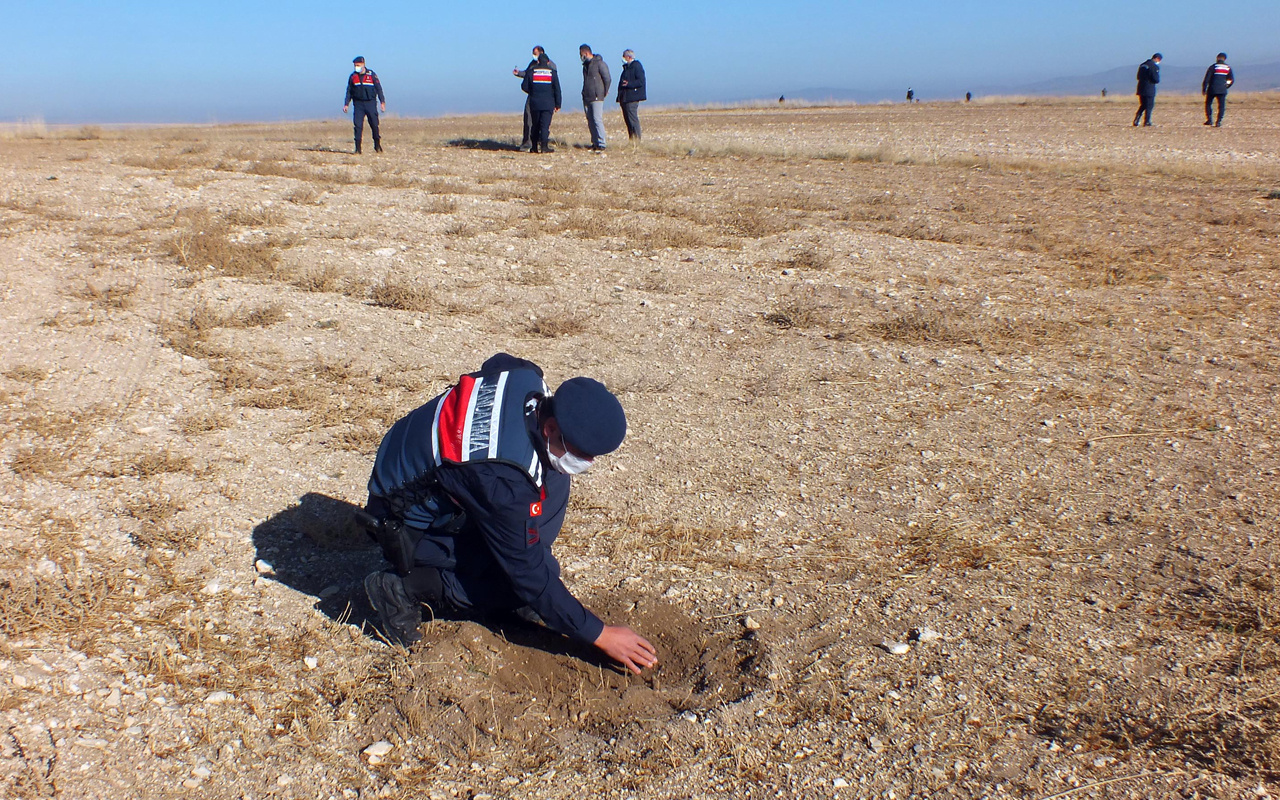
360	68
568	464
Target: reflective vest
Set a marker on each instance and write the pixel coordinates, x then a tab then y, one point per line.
482	418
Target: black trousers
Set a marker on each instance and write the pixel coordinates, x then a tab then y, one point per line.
527	141
1145	104
540	129
1208	107
631	116
366	108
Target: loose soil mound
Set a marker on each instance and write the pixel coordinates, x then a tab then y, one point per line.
518	682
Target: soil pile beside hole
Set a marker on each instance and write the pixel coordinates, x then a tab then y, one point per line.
516	682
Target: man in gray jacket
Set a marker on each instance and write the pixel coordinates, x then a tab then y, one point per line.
595	88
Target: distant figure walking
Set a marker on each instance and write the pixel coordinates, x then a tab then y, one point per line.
1216	83
595	88
542	84
525	142
1148	77
911	95
631	92
782	99
968	96
1104	91
362	88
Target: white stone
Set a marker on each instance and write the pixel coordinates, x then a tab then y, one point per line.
378	749
201	772
385	252
264	567
215	698
840	783
311	662
926	635
750	623
897	648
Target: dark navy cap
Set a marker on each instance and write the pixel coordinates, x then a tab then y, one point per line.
1157	55
358	60
590	417
1222	56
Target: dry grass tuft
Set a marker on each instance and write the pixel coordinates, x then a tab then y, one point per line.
38	461
158	526
304	196
919	326
153	463
26	373
800	309
557	325
398	293
810	258
328	278
117	296
59	603
204	242
203	421
440	205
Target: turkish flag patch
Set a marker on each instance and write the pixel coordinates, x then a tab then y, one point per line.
535	509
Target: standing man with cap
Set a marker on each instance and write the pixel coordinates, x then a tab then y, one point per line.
467	496
1148	77
525	144
1217	81
363	88
595	88
631	92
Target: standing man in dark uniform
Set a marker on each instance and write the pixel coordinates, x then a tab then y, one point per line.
1148	77
631	92
363	88
525	143
467	496
1216	83
542	84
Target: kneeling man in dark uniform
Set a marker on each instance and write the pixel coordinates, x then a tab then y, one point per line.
469	491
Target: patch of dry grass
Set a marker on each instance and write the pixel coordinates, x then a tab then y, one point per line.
203	421
205	242
800	309
328	278
118	296
402	294
555	325
25	373
37	461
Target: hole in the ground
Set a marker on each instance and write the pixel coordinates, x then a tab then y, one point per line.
517	683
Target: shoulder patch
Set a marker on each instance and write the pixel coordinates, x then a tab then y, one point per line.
535	509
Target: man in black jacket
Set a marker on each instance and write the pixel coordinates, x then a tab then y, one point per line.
469	491
631	92
1216	83
525	143
1148	77
363	87
542	84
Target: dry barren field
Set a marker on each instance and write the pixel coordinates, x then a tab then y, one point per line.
952	466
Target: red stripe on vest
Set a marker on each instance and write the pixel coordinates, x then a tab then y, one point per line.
453	417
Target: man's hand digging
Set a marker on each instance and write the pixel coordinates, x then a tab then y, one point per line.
627	647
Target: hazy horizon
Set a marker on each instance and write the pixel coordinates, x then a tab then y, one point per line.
145	62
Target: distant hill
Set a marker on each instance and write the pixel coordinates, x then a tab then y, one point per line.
1121	80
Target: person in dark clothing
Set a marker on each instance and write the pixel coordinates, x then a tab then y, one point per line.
595	89
968	97
525	143
363	88
1217	80
469	491
911	95
631	92
542	84
1148	77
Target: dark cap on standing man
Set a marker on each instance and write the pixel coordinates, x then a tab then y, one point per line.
358	60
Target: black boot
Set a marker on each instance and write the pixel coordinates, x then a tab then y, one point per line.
399	614
357	148
377	147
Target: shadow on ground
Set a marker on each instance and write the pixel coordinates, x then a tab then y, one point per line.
317	547
484	144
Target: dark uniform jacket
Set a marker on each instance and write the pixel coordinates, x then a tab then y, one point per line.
595	79
542	84
364	87
521	73
633	77
1218	79
511	520
1148	77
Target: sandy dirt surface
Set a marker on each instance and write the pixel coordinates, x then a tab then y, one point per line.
951	471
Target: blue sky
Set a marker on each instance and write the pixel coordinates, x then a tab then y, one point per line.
148	61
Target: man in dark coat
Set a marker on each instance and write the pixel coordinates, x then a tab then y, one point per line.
469	491
1217	80
1148	77
525	144
631	92
363	88
542	84
595	89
